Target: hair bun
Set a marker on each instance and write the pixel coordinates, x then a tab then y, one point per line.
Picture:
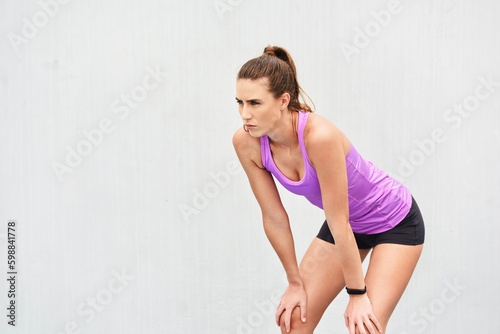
269	50
277	52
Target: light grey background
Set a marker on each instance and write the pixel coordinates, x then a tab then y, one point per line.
158	199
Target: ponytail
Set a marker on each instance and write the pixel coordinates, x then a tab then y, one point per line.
277	65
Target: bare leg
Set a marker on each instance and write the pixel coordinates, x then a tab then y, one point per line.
323	280
390	269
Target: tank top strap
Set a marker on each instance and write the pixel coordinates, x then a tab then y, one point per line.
265	151
300	132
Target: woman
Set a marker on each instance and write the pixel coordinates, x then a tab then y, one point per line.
365	209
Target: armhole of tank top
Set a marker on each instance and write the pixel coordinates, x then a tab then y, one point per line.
350	144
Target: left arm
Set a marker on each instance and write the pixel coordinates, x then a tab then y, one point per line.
328	158
327	155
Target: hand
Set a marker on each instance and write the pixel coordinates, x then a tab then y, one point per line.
295	295
359	314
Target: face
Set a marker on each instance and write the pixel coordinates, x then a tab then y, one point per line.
258	108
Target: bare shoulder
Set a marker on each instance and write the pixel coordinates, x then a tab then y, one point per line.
247	147
320	131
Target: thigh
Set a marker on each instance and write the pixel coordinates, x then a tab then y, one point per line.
390	269
323	280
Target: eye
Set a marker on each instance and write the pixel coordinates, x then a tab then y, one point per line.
239	101
254	103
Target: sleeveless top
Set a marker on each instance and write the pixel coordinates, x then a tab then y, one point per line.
377	202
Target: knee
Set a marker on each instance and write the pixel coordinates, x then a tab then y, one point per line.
296	324
382	317
375	328
383	323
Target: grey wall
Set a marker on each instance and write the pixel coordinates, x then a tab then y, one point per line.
132	213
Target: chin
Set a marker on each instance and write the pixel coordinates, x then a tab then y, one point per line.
257	133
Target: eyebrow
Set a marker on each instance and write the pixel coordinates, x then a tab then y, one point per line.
251	100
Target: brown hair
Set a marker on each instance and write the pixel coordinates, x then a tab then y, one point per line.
277	65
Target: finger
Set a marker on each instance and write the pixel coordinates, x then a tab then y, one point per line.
279	311
361	328
303	311
377	324
346	319
352	327
288	316
369	327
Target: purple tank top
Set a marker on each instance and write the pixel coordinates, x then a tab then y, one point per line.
377	202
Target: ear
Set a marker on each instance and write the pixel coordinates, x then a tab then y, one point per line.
284	100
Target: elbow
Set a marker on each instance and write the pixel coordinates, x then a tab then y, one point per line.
274	219
275	226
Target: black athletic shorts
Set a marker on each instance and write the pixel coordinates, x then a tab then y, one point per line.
410	231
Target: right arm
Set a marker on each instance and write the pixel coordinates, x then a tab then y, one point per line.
274	218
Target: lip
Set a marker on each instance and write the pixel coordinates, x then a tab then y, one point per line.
250	126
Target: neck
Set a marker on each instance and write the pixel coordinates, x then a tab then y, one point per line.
284	135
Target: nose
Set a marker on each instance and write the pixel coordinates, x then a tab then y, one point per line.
245	115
